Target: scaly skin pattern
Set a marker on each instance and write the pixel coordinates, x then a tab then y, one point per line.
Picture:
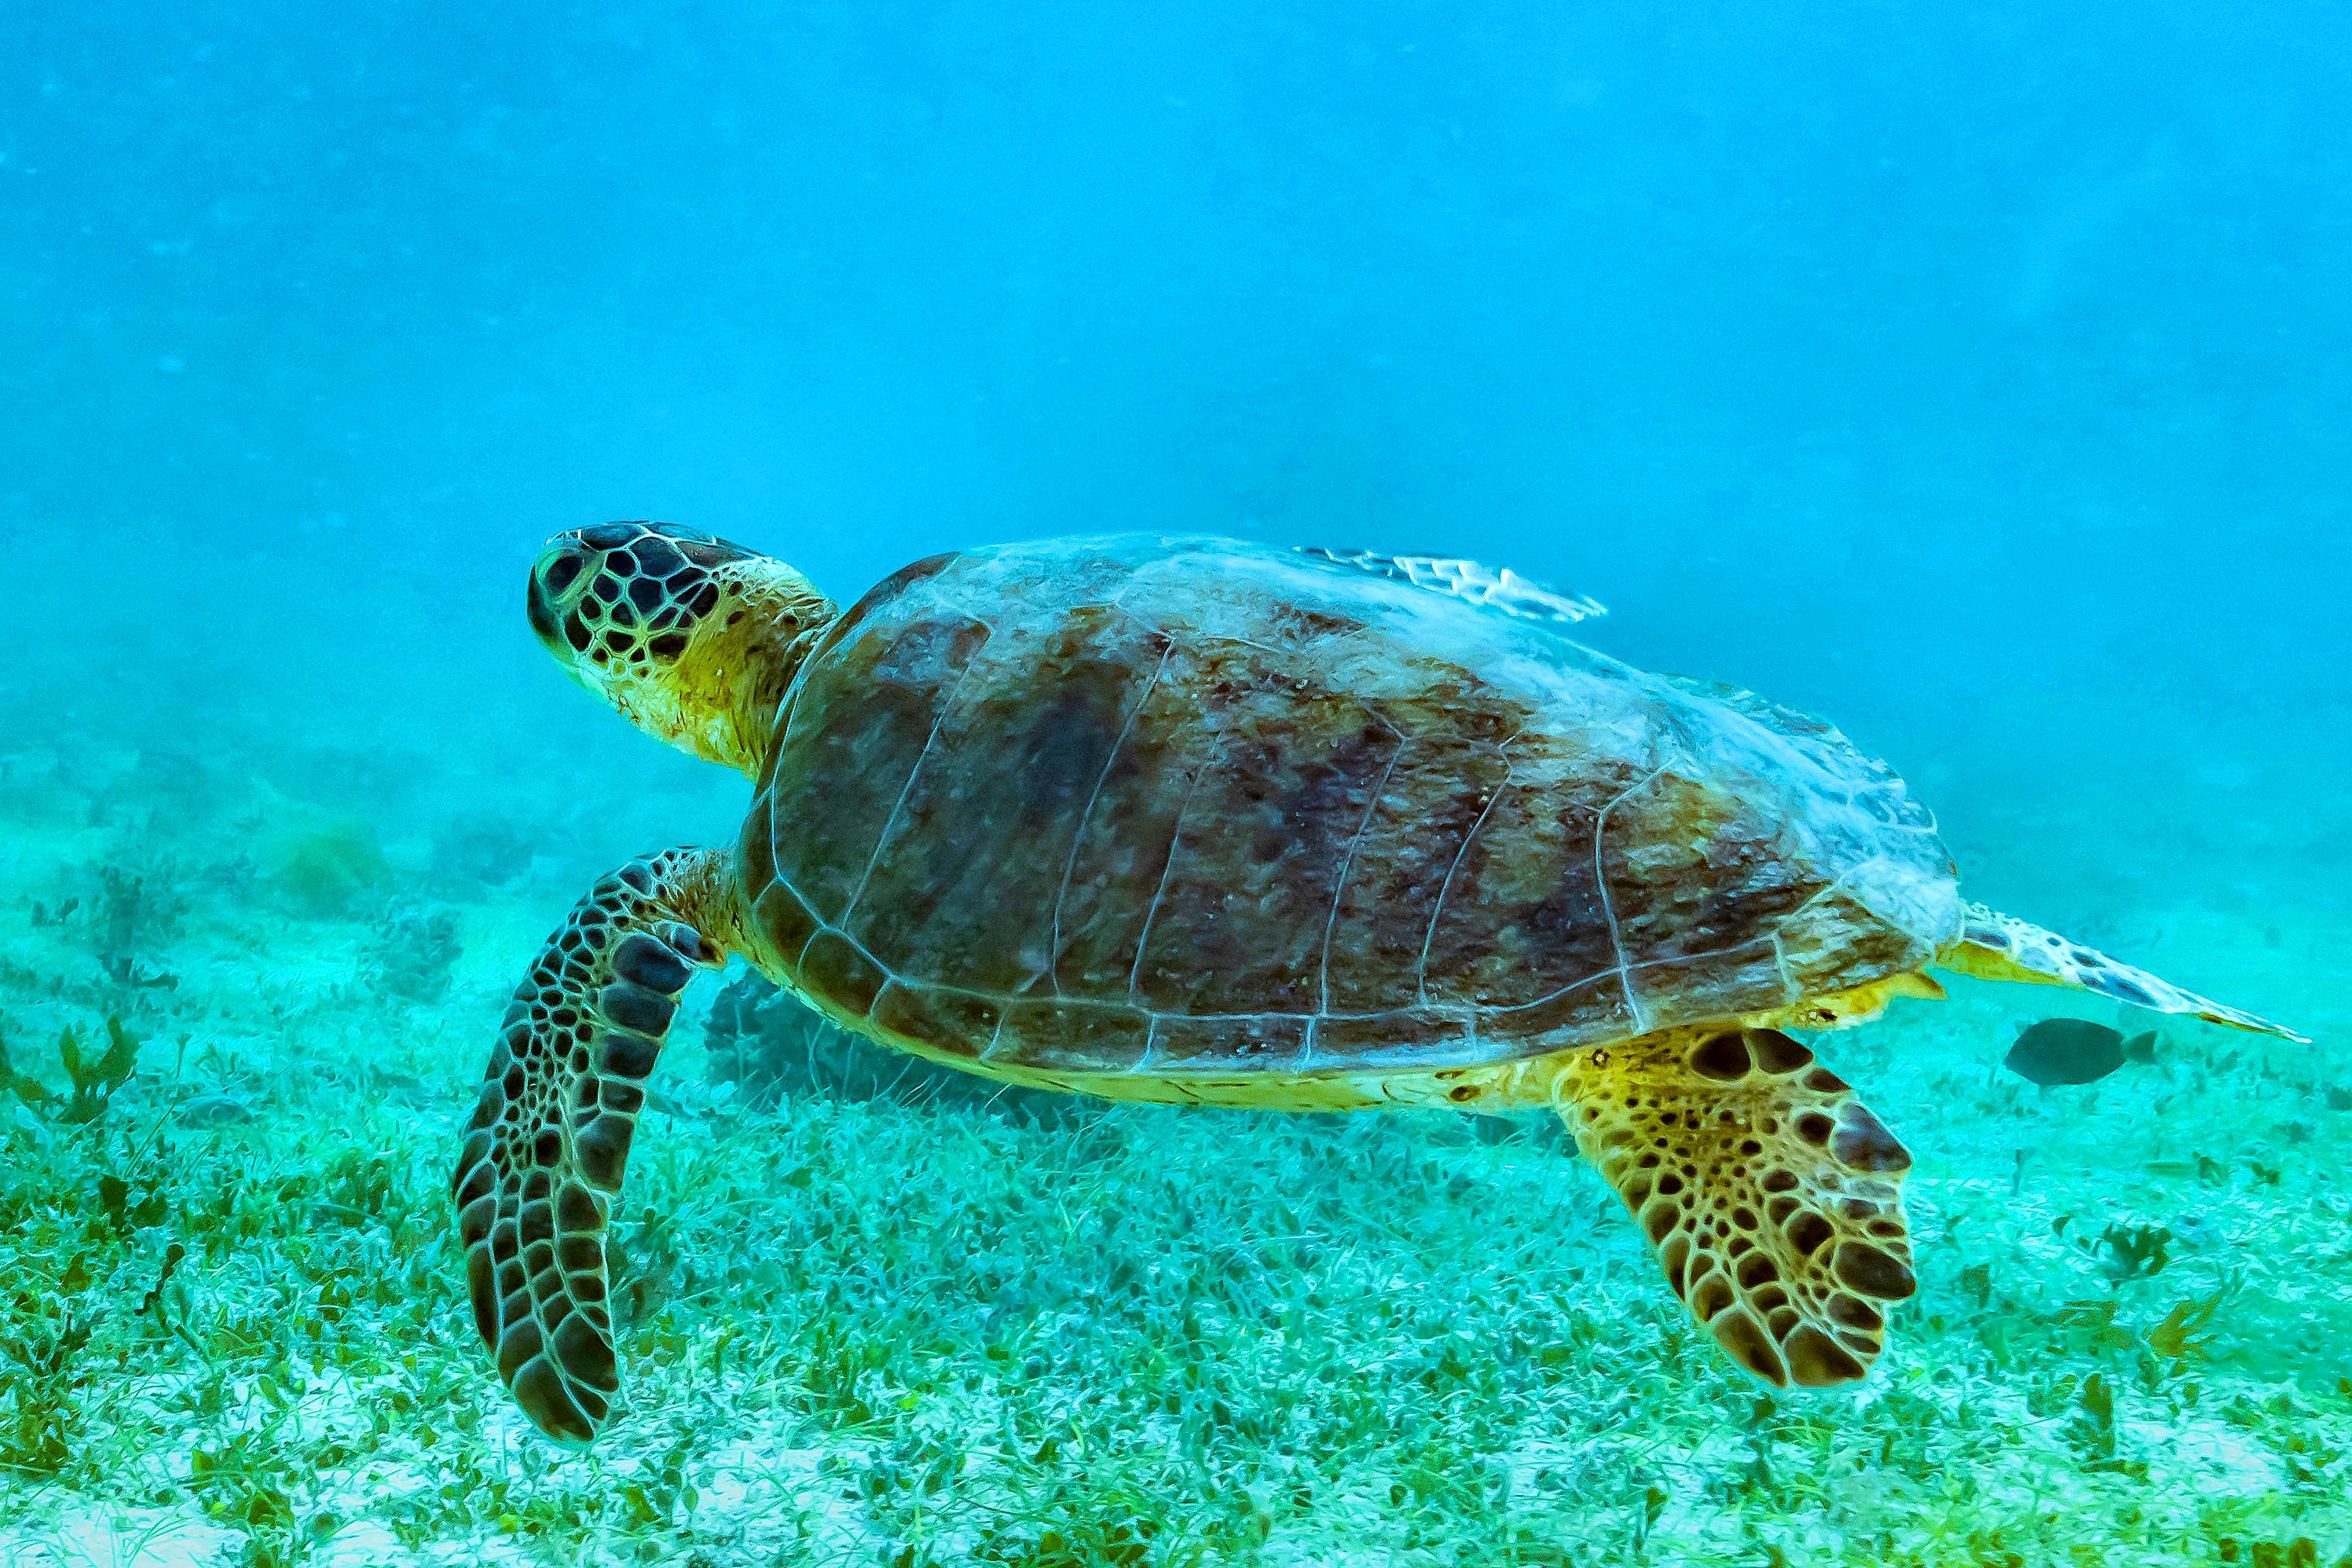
1770	1193
692	638
1174	807
544	1152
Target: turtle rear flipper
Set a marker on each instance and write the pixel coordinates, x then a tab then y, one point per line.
545	1150
1994	946
1772	1196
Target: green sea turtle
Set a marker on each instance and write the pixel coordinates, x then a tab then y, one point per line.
1190	820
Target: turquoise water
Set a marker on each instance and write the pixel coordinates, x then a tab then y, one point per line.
1977	379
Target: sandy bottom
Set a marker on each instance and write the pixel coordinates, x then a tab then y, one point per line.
232	1327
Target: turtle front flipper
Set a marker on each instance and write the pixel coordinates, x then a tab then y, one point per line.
1994	946
545	1150
1772	1196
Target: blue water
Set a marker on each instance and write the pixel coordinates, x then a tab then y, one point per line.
1979	377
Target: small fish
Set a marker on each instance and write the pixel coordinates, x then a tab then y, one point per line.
215	1111
2070	1050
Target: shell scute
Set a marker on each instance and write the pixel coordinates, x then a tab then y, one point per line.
1270	1040
963	884
1526	914
1270	827
833	967
956	1023
1414	1032
850	745
1077	1036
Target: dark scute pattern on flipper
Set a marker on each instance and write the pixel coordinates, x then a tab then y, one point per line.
1874	1272
548	1142
651	964
628	1054
1860	1141
1817	1361
1772	1238
635	1006
1778	1053
601	1149
1723	1058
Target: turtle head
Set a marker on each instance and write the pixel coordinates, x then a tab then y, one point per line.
692	638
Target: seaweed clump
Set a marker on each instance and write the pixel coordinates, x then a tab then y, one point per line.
324	868
491	852
96	1079
134	911
411	953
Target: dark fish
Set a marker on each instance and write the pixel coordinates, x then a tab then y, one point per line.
2069	1050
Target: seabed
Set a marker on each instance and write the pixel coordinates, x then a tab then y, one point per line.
896	1330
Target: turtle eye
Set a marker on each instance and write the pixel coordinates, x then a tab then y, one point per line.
557	570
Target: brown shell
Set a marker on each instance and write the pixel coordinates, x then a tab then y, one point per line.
1140	803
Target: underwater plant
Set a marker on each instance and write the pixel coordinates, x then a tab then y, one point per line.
2186	1332
410	953
2124	1252
770	1045
40	1412
489	851
136	910
324	867
95	1079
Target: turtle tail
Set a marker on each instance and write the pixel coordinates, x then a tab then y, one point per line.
1994	946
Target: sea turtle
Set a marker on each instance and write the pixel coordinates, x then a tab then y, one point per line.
1185	819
